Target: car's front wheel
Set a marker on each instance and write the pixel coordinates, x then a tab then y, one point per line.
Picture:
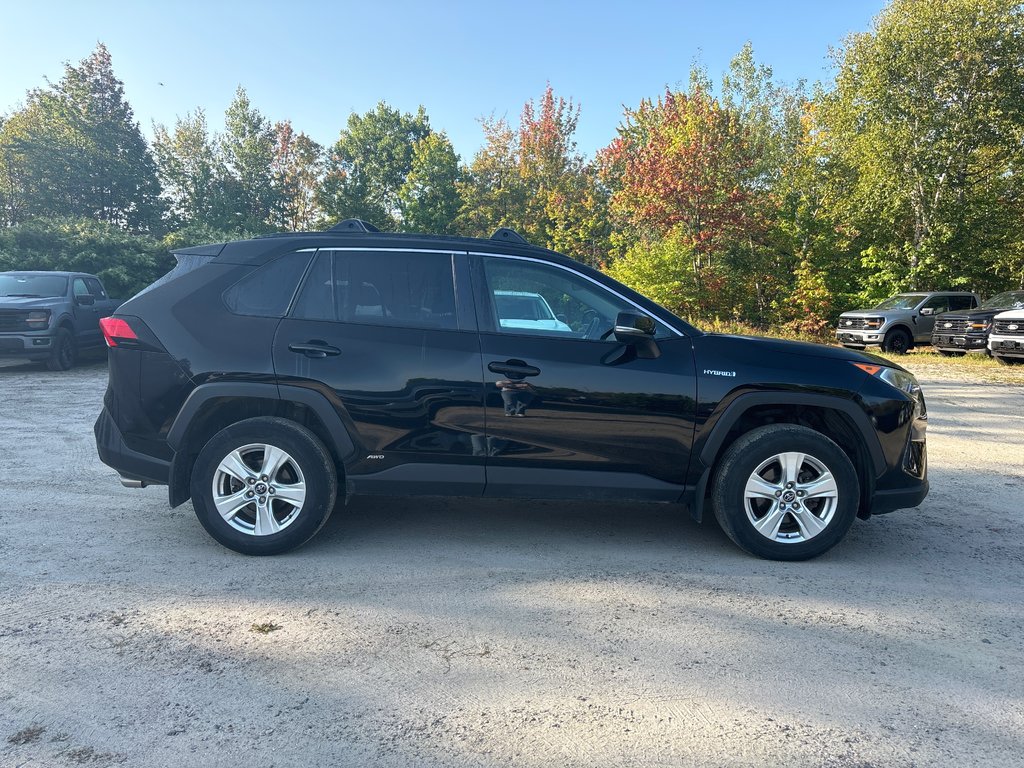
264	486
785	492
65	352
897	341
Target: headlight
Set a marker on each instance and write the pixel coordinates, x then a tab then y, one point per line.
901	380
38	318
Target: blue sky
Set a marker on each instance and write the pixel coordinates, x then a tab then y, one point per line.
315	62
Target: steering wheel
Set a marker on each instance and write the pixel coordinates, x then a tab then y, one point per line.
593	320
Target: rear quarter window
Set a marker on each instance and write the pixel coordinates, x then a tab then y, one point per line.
268	290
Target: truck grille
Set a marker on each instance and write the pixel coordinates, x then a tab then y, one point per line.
859	323
13	320
951	325
1008	327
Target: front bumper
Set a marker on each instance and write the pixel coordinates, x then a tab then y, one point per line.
1006	346
960	343
26	346
862	338
130	464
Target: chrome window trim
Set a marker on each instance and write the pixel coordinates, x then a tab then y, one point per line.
571	271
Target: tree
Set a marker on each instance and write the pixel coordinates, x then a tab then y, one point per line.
429	199
75	149
190	170
248	149
297	169
492	195
927	115
369	163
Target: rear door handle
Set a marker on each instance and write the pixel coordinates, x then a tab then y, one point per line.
315	348
513	368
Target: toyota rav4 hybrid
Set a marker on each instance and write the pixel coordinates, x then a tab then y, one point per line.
266	378
1006	340
901	321
957	333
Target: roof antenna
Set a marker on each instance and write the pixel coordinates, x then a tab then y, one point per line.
509	236
353	225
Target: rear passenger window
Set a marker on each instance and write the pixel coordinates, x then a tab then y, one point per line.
268	290
380	287
962	302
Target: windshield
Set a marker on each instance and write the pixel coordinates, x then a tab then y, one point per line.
33	286
903	301
1008	300
522	306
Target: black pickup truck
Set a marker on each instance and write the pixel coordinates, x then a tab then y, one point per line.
52	316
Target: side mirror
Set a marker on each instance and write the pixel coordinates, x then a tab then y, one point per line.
85	300
636	332
630	326
927	311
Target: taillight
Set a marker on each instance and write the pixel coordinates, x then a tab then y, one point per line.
116	330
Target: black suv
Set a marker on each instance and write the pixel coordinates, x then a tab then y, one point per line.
264	378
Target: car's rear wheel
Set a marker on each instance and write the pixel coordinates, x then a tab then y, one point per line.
65	353
785	492
950	353
896	341
264	486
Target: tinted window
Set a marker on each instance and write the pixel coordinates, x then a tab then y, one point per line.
537	299
95	288
79	288
938	303
380	287
962	302
268	290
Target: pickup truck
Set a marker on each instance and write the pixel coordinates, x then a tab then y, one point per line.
52	316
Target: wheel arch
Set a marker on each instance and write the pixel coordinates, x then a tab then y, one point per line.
839	419
213	406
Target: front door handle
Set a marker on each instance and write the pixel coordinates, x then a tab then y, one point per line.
515	369
315	348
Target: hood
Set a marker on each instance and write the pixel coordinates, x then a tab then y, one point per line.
27	302
871	312
763	344
970	314
1012	314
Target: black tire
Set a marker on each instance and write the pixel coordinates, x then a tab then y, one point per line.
306	453
897	341
737	466
65	351
950	353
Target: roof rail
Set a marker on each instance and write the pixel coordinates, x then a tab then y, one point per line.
353	225
509	236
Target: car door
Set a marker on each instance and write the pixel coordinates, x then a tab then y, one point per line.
87	321
925	323
571	412
382	333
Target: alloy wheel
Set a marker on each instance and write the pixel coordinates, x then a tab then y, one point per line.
791	497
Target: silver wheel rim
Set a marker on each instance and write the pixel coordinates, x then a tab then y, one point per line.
259	489
791	497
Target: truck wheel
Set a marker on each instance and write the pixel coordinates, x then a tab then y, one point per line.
950	353
264	486
785	492
65	353
896	341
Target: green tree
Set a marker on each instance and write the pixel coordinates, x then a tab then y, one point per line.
368	165
927	115
429	199
248	150
190	170
75	149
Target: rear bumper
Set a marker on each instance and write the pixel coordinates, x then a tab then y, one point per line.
26	346
130	464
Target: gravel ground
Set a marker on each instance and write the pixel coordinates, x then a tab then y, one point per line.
444	632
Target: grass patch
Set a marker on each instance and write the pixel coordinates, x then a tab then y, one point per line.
265	628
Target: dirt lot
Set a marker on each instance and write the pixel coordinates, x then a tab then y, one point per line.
477	633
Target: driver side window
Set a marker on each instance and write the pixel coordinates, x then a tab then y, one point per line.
530	298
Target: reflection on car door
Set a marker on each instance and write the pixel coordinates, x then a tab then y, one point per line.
378	332
570	413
